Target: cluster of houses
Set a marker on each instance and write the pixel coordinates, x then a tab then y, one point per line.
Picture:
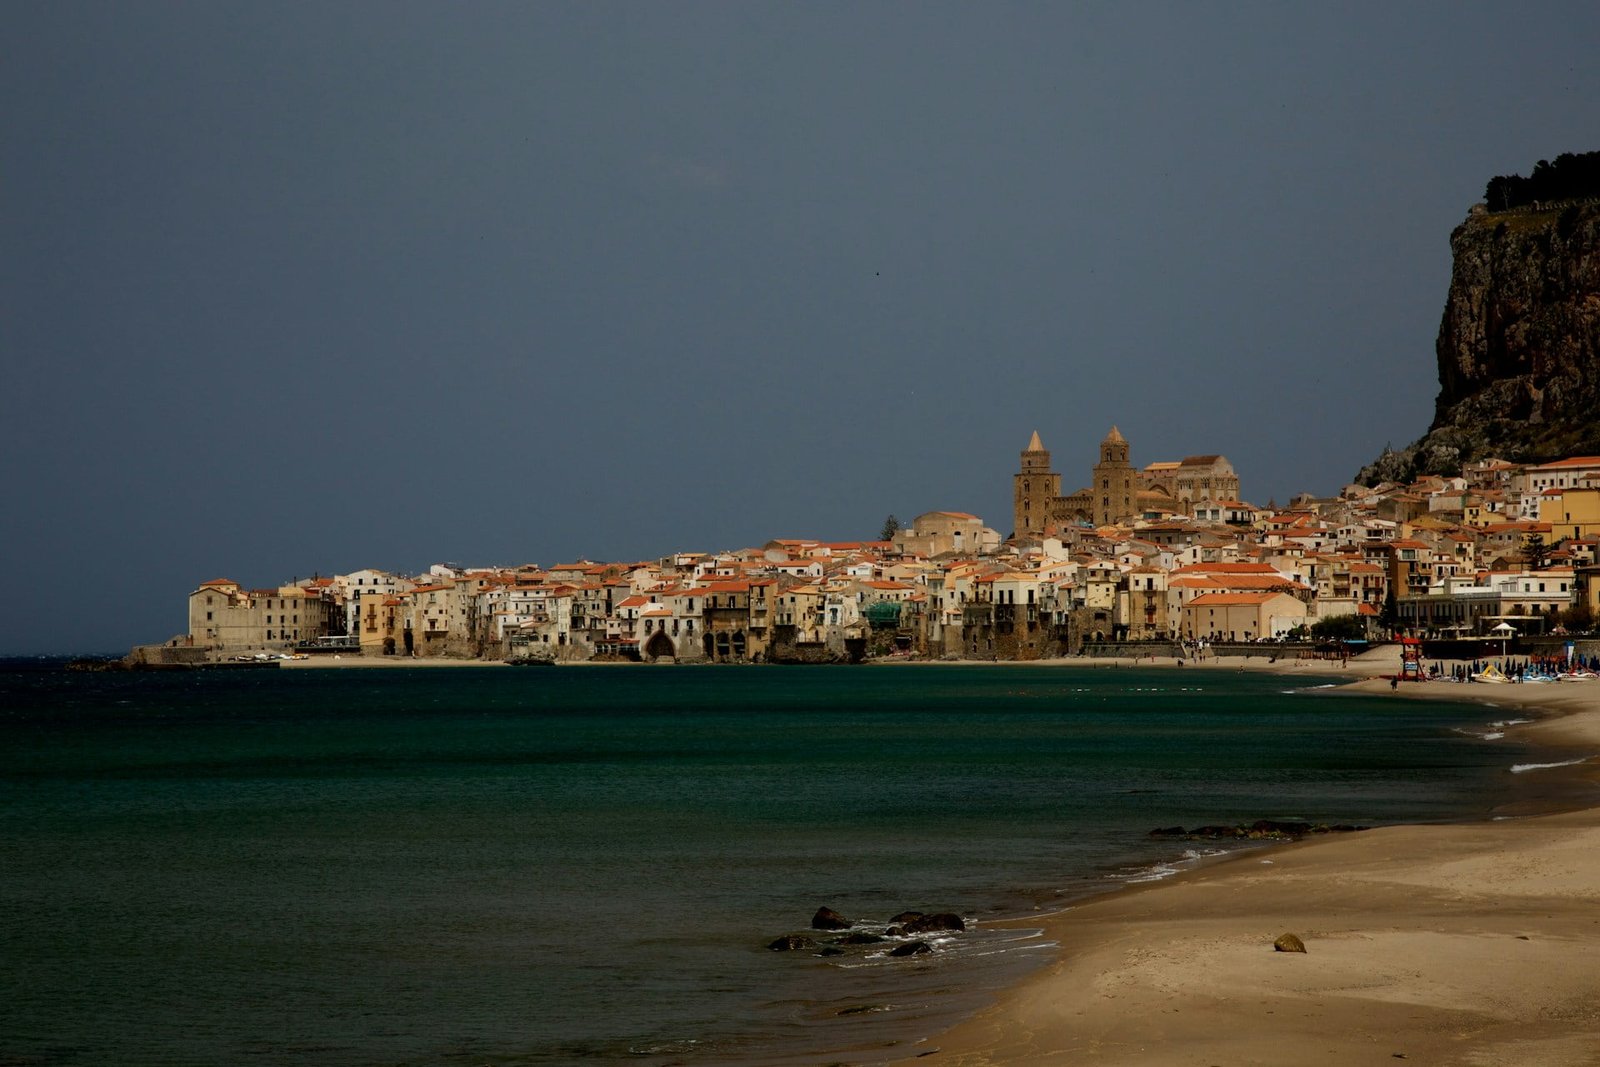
1499	544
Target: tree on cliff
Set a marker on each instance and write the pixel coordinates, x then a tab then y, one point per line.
1570	177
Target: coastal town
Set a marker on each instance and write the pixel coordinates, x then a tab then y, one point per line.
1167	552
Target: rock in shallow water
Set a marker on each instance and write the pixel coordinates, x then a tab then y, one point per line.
915	948
791	943
828	919
1288	943
927	924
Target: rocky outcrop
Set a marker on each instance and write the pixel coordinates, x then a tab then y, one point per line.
914	948
791	943
928	924
1519	344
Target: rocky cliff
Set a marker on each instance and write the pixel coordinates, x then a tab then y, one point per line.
1519	344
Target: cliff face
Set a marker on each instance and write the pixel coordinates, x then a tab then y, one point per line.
1519	344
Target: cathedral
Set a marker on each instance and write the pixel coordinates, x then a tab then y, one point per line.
1117	492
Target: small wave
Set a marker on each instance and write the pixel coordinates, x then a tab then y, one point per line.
1519	768
1494	735
1508	722
665	1048
1158	871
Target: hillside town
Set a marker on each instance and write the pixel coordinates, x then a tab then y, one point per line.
1168	552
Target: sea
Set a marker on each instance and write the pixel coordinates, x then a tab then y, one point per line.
586	865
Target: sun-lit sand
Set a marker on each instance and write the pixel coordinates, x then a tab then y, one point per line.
1471	944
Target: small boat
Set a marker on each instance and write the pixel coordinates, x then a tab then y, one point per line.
1490	674
1576	676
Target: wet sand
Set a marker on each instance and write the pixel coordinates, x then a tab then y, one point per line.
1469	944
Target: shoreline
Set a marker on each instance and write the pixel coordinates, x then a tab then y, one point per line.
1460	943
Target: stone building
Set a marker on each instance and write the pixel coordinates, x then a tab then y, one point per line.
938	533
1192	480
227	618
1117	492
1034	489
1111	496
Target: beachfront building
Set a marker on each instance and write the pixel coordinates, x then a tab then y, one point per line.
359	586
379	627
727	621
1242	616
1147	610
227	618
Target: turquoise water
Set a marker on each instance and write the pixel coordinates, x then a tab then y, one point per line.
563	865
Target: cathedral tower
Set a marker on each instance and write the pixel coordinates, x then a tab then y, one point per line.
1034	487
1114	482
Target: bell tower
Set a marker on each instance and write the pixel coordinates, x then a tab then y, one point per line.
1113	489
1035	485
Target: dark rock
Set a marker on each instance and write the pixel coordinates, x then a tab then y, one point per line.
906	916
1288	943
859	938
828	919
1168	831
791	943
1518	351
894	931
1286	829
831	951
914	948
930	923
1216	832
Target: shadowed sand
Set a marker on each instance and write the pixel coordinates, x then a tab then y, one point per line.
1472	944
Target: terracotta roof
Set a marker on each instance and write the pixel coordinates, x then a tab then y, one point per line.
1570	461
1209	599
1225	568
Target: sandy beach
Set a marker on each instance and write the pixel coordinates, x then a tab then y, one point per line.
1471	944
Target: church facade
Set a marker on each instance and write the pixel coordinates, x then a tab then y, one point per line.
1117	492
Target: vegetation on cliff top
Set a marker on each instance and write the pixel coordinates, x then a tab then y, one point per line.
1571	177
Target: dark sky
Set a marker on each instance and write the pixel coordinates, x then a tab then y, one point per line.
294	288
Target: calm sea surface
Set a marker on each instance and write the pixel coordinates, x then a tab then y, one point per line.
584	865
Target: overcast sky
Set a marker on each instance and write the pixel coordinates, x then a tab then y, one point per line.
295	288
